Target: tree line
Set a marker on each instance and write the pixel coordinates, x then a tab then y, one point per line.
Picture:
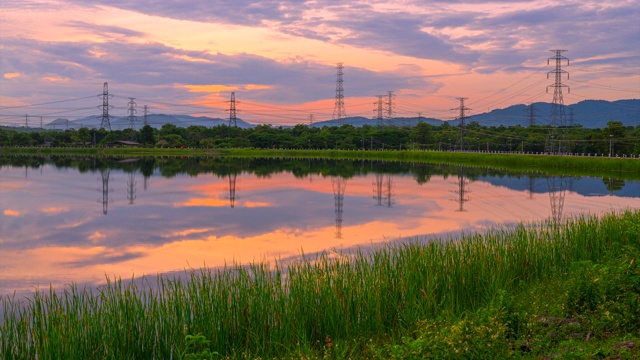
622	140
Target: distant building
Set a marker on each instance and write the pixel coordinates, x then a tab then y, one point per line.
126	143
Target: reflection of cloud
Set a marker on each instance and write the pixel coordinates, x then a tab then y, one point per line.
10	212
104	258
204	202
255	204
55	210
188	232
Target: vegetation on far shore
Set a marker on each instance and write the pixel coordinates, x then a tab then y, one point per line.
540	290
617	139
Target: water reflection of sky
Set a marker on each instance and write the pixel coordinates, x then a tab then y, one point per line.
53	226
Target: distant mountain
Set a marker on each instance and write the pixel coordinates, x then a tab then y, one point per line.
154	120
588	113
359	121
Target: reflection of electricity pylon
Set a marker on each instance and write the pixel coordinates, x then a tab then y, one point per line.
131	187
339	185
380	195
530	188
232	190
389	191
462	190
557	188
378	189
105	189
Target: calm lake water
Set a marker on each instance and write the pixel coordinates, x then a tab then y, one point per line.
71	219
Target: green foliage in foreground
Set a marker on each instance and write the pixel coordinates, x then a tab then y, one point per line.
534	290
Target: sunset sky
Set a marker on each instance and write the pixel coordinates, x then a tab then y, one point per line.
279	56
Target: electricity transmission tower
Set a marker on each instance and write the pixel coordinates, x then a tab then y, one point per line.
389	107
339	112
232	111
132	110
146	115
462	110
557	119
378	110
571	117
531	111
105	123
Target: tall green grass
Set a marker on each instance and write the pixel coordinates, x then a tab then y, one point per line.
565	164
274	309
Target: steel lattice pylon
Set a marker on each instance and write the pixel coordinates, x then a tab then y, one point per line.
339	111
554	143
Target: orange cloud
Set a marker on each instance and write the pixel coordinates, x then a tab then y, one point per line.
54	210
55	79
210	88
258	87
10	212
11	75
97	53
190	58
187	232
96	237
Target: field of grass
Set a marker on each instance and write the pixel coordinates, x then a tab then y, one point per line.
531	290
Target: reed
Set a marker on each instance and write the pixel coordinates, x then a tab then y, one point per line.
273	310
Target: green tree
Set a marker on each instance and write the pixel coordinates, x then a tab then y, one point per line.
422	135
146	136
174	140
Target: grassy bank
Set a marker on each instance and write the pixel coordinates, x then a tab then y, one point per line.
400	301
624	168
562	164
